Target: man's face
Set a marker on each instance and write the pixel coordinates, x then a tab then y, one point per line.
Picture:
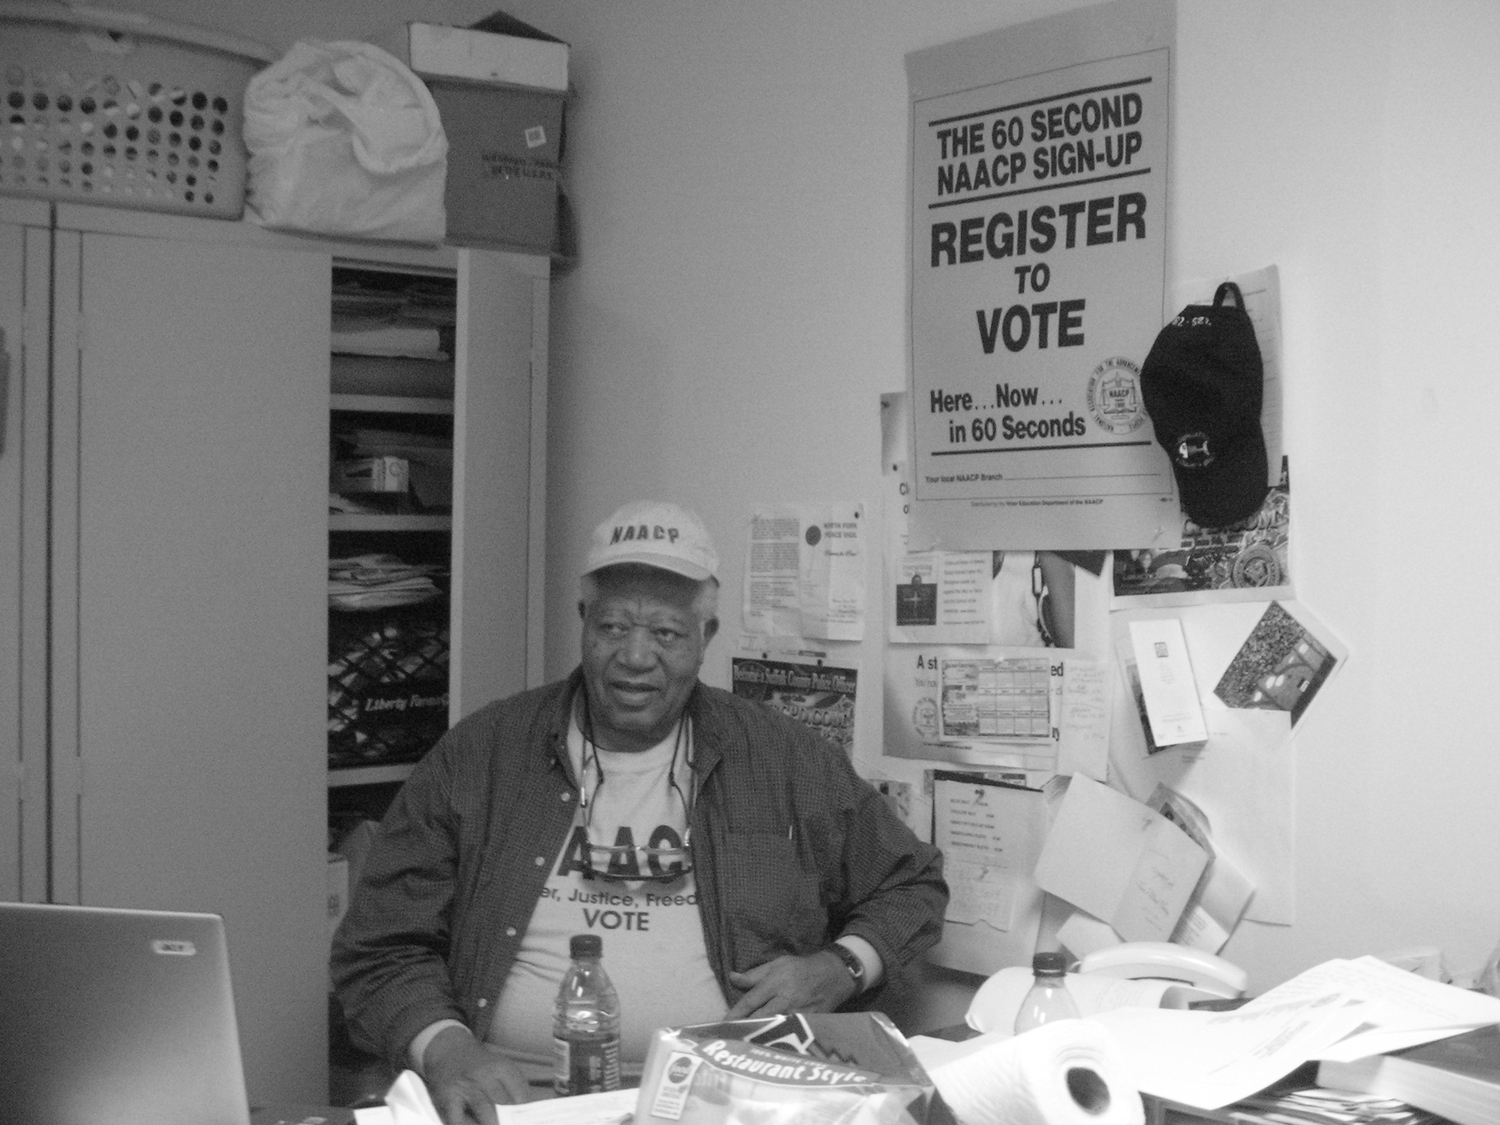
643	643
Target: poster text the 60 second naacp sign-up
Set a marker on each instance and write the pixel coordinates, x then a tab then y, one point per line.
1039	215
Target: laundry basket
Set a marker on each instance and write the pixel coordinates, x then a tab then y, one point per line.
123	109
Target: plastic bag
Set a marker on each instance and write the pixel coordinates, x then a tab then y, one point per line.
345	139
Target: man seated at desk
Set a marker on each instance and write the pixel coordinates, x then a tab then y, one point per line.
732	860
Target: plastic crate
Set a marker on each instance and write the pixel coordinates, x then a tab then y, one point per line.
387	683
122	109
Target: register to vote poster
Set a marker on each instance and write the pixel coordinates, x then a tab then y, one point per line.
1039	233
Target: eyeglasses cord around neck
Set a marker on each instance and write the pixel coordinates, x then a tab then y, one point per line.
628	870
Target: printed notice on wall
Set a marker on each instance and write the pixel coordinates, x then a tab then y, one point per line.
804	572
1038	223
819	697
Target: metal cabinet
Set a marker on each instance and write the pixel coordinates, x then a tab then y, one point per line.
163	603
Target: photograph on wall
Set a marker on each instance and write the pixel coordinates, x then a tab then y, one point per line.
1246	561
1038	195
1283	664
818	697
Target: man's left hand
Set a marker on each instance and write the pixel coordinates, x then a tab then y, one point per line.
815	983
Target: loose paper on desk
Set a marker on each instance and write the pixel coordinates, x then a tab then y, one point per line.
1339	1009
408	1103
990	835
611	1108
1406	1009
1120	861
804	571
1209	1059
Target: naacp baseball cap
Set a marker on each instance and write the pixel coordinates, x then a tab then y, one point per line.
1202	385
654	533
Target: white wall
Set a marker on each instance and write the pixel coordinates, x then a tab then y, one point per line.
738	169
738	173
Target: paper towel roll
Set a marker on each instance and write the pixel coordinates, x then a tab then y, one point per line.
1063	1073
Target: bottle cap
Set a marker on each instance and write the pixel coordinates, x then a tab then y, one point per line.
1053	962
585	945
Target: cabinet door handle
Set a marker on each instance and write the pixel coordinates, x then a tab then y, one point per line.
4	388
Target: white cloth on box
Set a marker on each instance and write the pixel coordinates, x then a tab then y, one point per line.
344	139
1065	1073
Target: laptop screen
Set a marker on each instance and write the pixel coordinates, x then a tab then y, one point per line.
116	1017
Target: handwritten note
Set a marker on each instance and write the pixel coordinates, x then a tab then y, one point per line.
979	893
1120	861
1083	745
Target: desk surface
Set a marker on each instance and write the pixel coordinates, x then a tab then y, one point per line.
301	1115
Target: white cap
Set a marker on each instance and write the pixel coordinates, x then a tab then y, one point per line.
654	533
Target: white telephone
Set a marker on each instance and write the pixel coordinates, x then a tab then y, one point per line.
1163	960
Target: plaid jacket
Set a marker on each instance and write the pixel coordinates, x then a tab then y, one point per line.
791	849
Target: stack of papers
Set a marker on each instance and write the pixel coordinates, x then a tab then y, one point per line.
379	582
1337	1010
1295	1104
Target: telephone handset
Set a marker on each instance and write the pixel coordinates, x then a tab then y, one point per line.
1163	960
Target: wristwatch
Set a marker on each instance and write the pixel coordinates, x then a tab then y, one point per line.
851	962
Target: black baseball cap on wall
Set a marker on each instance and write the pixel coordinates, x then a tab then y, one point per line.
1202	385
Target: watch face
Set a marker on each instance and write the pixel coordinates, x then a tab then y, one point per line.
851	962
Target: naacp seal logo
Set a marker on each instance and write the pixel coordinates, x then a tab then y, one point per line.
924	716
1114	396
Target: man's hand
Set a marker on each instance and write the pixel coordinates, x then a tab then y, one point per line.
468	1079
815	983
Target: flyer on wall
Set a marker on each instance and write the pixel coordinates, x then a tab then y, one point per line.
819	697
1038	264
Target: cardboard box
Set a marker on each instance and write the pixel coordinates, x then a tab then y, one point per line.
852	1068
371	474
499	87
504	148
436	51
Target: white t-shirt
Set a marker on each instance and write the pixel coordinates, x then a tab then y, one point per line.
653	937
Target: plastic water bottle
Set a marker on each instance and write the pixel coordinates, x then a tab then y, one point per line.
1048	998
586	1029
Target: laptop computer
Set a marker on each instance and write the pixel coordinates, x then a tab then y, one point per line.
117	1017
